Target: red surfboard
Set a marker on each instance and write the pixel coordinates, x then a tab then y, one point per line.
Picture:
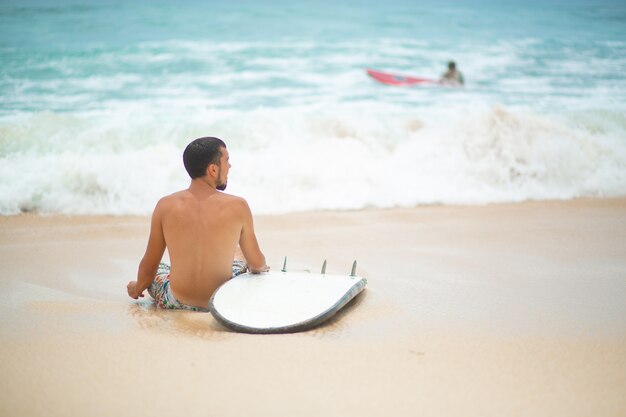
400	80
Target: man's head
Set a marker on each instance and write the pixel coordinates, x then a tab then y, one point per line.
205	156
451	65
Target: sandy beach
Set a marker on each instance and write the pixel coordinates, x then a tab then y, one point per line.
498	310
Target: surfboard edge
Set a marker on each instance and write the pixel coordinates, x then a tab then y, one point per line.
308	324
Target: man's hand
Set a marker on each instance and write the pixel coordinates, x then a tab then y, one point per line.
264	268
132	290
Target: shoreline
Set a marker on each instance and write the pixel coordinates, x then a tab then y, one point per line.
504	309
579	200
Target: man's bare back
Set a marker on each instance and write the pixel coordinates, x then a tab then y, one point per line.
201	228
202	233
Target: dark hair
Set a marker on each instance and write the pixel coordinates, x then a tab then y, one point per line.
200	153
452	65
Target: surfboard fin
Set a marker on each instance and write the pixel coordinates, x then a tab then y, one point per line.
353	273
284	265
324	267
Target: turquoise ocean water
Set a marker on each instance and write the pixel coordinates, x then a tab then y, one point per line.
98	100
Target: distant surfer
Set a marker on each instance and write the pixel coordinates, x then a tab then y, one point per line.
205	231
452	76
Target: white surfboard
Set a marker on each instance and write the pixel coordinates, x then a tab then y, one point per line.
282	302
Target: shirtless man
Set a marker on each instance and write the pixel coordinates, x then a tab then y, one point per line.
452	76
201	228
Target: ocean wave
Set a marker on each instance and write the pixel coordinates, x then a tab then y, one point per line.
313	157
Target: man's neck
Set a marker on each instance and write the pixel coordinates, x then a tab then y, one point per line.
202	185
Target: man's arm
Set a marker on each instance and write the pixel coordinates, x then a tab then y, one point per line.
249	245
150	261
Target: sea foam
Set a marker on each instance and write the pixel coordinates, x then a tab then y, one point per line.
313	158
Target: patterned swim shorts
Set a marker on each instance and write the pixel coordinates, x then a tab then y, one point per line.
162	294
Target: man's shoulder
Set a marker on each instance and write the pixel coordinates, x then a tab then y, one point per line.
173	202
234	200
168	199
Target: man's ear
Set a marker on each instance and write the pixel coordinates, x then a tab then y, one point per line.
212	170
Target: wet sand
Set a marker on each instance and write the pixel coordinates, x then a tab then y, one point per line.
513	309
